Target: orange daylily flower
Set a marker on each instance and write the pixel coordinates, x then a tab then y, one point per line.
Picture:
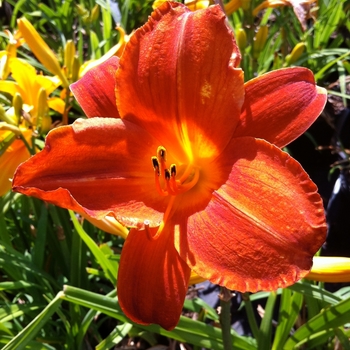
189	158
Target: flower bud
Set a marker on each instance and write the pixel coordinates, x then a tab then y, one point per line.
232	6
297	51
95	12
4	67
69	53
40	49
75	69
241	38
17	103
260	41
44	120
246	4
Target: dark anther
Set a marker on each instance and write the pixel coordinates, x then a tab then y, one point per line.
167	174
173	169
155	164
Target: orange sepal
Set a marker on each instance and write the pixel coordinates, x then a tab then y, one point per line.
262	228
100	166
95	90
178	79
279	106
152	278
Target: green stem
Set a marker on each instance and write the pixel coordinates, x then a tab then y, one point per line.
225	318
30	149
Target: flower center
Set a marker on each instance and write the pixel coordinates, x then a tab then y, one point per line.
170	183
166	179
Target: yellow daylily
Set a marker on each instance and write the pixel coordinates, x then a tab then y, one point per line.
193	5
7	55
41	50
330	269
12	156
28	84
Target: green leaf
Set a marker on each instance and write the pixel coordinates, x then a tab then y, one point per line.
28	333
40	241
187	330
197	304
95	45
315	292
107	266
115	337
290	306
331	317
264	341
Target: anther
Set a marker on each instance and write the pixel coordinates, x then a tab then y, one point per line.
173	169
155	164
167	174
161	153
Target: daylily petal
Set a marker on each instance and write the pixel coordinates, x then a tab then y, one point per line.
108	224
178	79
48	83
108	171
331	269
152	278
13	156
279	106
261	228
271	4
40	49
25	75
57	104
95	90
10	87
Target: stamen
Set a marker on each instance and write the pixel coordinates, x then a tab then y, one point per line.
173	170
167	174
155	164
165	178
161	153
158	186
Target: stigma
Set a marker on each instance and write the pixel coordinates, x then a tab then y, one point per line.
167	180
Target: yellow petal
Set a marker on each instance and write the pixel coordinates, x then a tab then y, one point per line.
232	6
25	76
194	5
10	87
271	4
108	224
195	279
14	155
57	104
330	269
48	83
40	49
